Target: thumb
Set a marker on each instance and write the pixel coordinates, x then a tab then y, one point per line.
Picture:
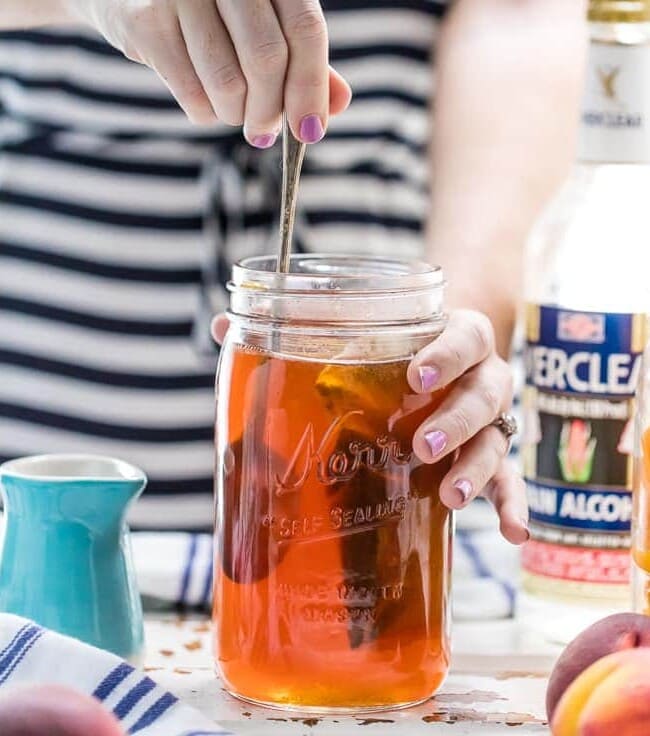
219	327
340	93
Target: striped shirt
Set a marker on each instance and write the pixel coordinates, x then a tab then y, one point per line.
119	222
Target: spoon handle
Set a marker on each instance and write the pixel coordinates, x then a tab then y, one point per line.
293	152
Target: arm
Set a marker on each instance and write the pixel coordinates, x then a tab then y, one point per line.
509	81
17	14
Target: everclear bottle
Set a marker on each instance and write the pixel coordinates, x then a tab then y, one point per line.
587	295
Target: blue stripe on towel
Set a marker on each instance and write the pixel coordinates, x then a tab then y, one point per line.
128	702
481	569
13	641
39	632
112	680
157	709
187	572
27	635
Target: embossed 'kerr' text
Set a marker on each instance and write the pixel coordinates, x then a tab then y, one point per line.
343	463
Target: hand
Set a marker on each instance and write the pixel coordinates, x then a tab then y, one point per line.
241	62
465	353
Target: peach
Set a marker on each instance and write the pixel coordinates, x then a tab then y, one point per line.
52	710
612	634
612	696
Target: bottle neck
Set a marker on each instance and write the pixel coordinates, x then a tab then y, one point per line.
619	11
615	111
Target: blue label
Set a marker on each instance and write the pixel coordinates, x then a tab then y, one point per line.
581	374
578	508
583	352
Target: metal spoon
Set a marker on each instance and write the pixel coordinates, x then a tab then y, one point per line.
293	153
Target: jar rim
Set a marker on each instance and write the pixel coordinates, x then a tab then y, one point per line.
325	274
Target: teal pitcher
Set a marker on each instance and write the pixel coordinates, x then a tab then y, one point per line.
66	556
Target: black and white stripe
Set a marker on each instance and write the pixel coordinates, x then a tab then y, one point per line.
111	204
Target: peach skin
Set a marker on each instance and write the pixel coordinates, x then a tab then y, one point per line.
53	710
612	696
615	633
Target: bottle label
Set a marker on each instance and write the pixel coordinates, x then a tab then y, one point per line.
616	104
581	373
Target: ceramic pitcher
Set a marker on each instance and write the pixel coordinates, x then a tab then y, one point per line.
66	559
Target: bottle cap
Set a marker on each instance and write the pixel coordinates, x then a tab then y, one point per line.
619	11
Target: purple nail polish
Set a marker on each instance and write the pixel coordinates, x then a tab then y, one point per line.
465	488
264	141
436	440
429	376
311	129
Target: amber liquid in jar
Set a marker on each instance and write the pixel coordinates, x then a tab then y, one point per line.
332	570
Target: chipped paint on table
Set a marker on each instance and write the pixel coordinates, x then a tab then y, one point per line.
496	686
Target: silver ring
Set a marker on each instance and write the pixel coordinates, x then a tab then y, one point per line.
507	425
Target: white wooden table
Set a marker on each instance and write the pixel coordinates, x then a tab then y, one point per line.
496	686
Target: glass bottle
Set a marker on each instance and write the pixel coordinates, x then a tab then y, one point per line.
331	588
586	326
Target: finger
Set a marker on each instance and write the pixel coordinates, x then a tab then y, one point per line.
478	462
160	44
340	93
306	90
214	59
467	339
474	402
263	55
219	327
507	492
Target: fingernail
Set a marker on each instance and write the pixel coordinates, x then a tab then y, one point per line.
429	376
311	129
465	488
527	530
264	141
437	441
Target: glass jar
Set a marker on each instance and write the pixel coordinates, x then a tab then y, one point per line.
331	587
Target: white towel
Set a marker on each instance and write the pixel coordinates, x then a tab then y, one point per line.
32	655
485	567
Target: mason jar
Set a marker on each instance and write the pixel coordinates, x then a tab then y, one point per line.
331	587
